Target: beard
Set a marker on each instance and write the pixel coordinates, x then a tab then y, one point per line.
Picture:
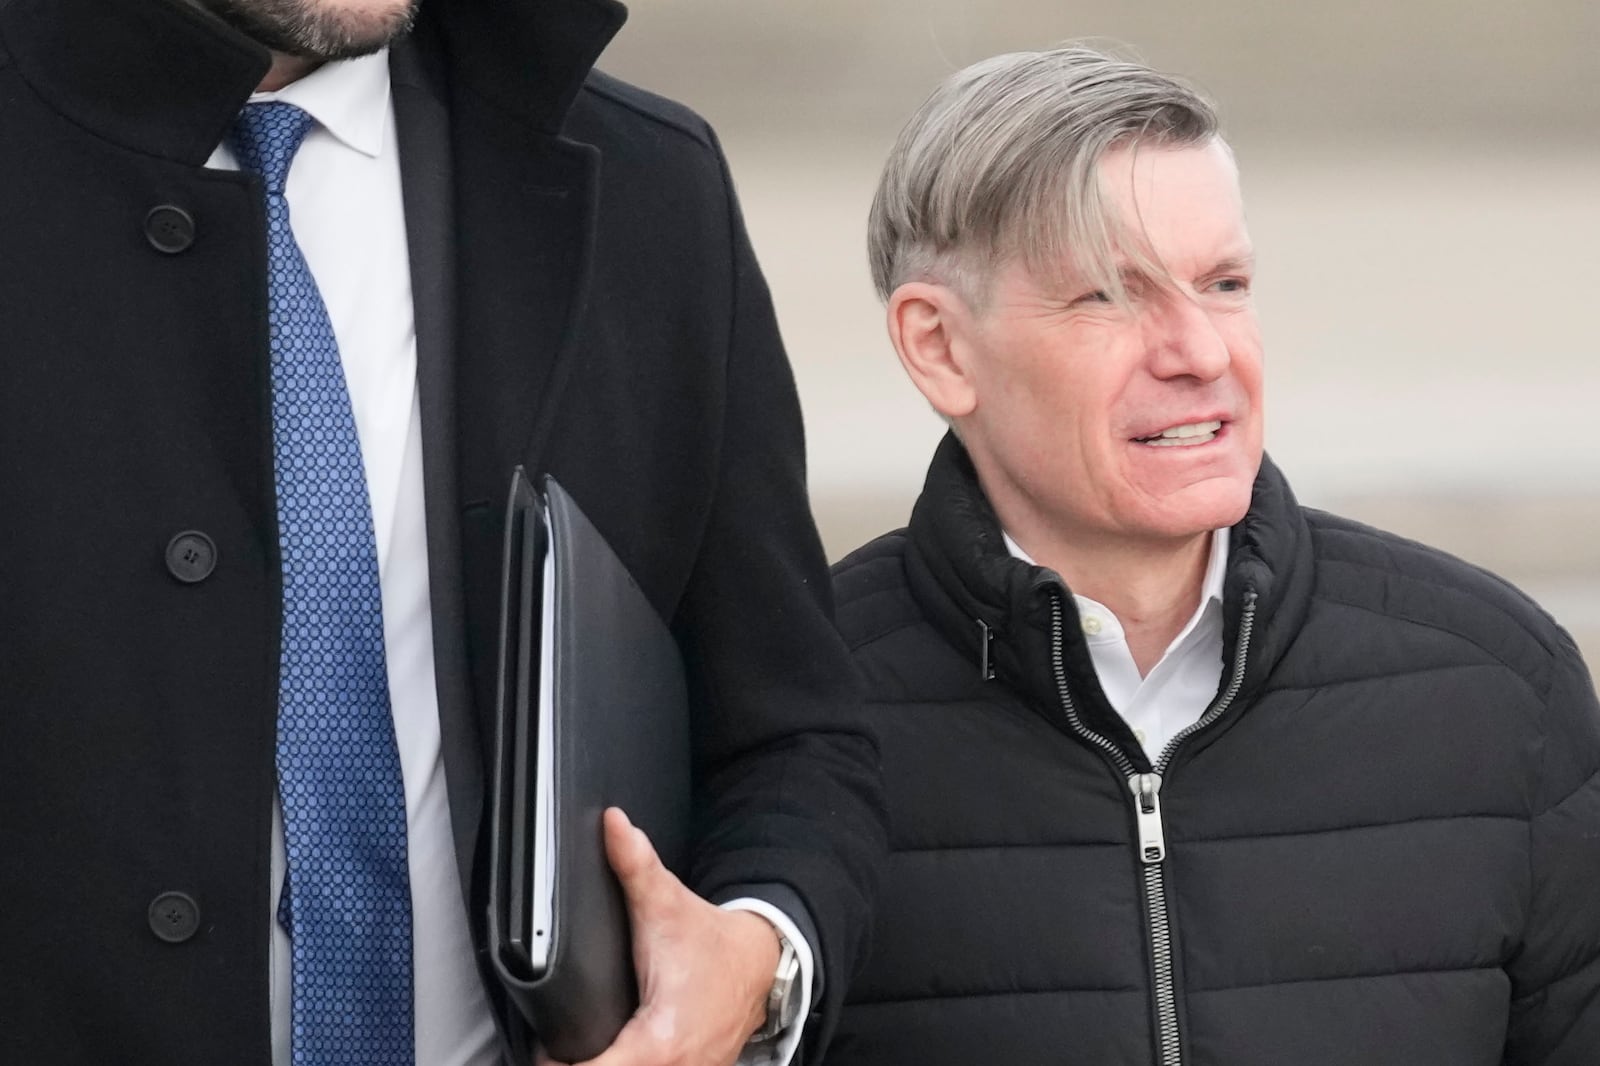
322	30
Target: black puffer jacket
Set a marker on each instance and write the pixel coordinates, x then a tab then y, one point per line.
1382	844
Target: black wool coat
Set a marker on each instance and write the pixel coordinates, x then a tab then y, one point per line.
587	305
1381	848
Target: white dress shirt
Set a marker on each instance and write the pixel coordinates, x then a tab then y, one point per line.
1179	688
348	217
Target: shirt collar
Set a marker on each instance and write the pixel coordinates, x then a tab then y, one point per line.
1216	568
349	99
1210	585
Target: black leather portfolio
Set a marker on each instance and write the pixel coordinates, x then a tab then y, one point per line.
593	712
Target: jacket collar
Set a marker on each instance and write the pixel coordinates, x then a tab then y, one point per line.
527	58
155	76
160	77
976	593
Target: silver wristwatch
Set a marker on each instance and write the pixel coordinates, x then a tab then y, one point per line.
783	999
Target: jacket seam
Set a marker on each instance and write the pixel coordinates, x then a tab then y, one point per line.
866	594
1523	626
869	593
892	561
1390	675
1231	838
1573	791
1420	819
1371	976
1589	961
936	849
996	994
1391	541
858	645
697	135
1587	782
1533	873
1435	626
905	701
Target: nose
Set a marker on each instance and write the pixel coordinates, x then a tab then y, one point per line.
1183	341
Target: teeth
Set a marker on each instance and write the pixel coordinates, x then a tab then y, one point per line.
1180	442
1184	436
1193	429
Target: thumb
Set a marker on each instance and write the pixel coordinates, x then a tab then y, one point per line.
633	859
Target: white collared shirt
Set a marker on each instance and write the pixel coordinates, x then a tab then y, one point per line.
1179	688
348	217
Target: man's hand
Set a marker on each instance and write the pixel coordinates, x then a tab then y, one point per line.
704	972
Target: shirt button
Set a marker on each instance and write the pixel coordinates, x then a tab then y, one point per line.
1092	625
1138	734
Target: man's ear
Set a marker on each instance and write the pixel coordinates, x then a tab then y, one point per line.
931	329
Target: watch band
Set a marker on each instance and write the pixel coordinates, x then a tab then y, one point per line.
783	998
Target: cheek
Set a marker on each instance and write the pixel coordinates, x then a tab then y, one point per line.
1025	400
1242	335
1039	433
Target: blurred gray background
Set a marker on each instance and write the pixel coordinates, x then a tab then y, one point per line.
1422	179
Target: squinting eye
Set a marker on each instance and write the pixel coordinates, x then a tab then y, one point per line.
1232	285
1096	297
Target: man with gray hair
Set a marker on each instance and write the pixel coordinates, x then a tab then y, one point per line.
1178	771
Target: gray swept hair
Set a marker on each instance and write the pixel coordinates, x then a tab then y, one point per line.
1000	163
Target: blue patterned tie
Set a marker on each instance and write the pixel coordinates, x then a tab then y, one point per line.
344	816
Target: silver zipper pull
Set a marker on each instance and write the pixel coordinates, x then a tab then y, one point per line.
1147	815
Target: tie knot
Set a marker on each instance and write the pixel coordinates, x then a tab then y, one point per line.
264	139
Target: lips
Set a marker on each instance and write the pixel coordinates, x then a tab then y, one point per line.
1185	435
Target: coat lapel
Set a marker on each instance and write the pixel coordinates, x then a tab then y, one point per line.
500	216
525	214
524	248
526	241
423	125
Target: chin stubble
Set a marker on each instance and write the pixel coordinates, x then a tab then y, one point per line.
314	29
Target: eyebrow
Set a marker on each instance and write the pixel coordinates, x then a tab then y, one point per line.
1242	260
1131	275
1233	263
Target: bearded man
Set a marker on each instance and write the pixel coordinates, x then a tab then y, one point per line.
289	288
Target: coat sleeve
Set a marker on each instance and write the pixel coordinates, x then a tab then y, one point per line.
1555	1014
787	778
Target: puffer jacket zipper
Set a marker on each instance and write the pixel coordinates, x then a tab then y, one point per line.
1146	789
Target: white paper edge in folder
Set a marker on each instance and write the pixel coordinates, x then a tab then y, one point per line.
544	842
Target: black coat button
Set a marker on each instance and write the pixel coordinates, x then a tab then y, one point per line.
174	917
169	229
191	556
